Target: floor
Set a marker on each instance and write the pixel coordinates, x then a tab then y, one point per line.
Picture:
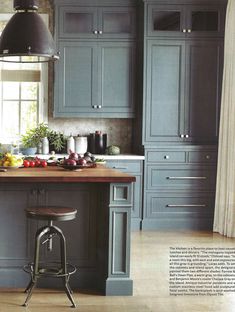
149	270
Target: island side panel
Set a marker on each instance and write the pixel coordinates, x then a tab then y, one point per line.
118	280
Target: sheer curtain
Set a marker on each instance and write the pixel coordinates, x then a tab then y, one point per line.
224	219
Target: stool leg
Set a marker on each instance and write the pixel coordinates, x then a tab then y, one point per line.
34	277
29	286
64	266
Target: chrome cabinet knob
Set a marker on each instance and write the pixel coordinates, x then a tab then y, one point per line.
186	136
208	157
94	106
189	30
182	135
100	32
98	106
95	32
166	157
184	30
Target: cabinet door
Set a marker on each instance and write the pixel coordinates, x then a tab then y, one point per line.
116	79
16	232
164	114
76	79
185	20
80	232
78	22
117	22
165	20
204	68
205	20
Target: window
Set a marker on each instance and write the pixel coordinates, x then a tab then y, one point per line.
23	95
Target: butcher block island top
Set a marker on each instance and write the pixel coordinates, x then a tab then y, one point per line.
59	174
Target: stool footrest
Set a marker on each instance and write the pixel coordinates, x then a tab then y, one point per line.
50	269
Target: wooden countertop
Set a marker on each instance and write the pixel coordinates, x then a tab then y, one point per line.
58	174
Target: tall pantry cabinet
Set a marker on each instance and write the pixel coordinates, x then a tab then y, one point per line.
183	62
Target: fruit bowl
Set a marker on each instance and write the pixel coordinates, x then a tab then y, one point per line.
70	167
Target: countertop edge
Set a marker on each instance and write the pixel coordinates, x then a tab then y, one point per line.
99	156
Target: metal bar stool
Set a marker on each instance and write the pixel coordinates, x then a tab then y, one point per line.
61	269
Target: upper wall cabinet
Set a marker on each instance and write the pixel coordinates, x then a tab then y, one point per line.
97	22
185	20
96	74
95	79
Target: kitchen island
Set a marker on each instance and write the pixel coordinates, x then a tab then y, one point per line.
98	240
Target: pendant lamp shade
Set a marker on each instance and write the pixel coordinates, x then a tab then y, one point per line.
26	35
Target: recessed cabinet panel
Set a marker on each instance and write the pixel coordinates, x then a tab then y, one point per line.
203	85
180	178
83	198
165	20
78	22
75	78
166	156
13	224
131	166
175	205
118	22
165	84
205	21
117	77
203	157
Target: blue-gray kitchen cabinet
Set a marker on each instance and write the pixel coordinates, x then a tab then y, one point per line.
179	187
192	19
17	232
98	240
97	22
95	79
96	73
182	90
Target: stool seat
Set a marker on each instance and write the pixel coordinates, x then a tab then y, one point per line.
53	213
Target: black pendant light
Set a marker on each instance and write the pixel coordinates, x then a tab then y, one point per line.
27	36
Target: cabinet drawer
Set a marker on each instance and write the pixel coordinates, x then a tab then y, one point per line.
180	178
176	205
206	157
125	166
166	156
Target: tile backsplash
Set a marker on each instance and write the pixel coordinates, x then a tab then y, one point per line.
119	131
